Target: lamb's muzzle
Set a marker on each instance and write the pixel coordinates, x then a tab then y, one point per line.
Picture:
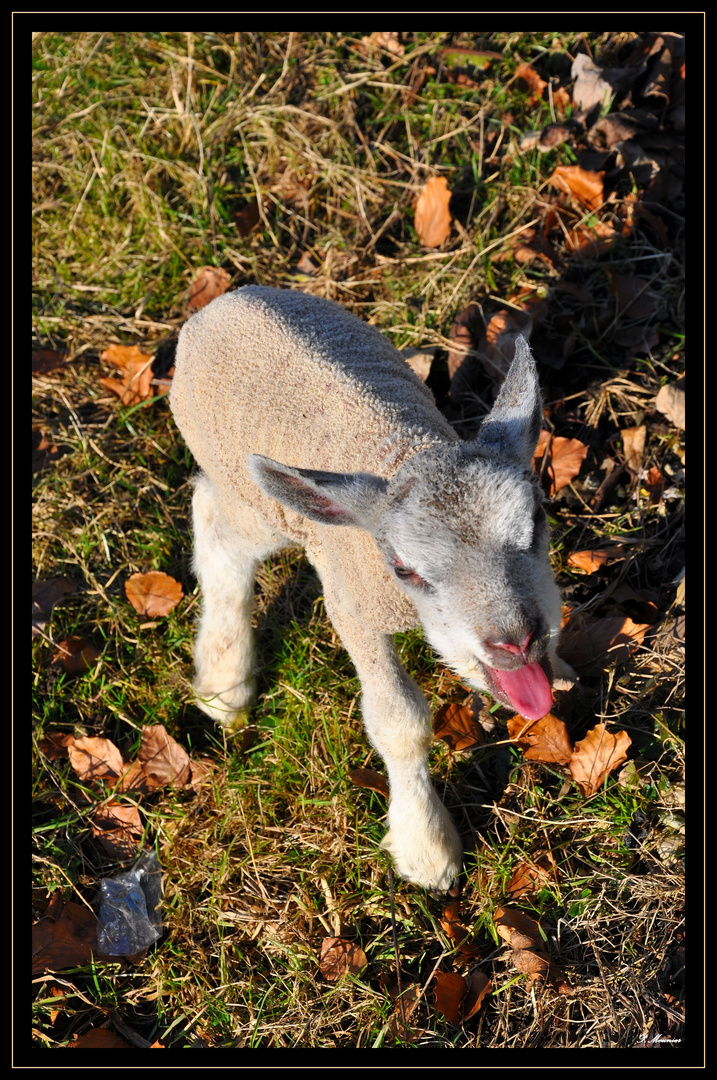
310	428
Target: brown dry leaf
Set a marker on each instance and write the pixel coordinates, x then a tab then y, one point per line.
463	365
94	758
210	282
44	360
99	1039
479	987
455	931
595	85
633	443
135	779
373	781
136	370
54	744
307	265
595	558
432	219
45	450
118	828
590	643
340	956
76	655
458	726
529	877
670	401
498	344
517	928
596	756
632	295
564	458
545	740
246	219
449	990
535	85
163	759
531	962
594	240
45	594
654	484
153	594
419	361
585	185
405	1007
65	937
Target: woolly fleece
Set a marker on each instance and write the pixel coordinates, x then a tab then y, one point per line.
303	381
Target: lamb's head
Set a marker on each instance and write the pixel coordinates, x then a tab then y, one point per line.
464	533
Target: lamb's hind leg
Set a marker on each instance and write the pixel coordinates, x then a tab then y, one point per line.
225	563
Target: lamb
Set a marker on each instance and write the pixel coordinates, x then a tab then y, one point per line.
310	428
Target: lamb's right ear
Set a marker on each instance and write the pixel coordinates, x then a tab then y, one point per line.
355	499
512	427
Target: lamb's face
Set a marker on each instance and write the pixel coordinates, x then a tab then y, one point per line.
467	539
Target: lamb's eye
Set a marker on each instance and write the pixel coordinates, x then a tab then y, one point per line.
406	574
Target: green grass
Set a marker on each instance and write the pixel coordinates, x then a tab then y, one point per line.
145	146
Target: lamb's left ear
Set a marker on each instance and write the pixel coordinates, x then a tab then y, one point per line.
512	427
355	499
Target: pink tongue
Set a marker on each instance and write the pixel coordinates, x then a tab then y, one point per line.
527	689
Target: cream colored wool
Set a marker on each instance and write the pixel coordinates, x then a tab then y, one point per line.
316	388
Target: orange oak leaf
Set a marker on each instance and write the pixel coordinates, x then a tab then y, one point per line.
432	219
340	956
596	756
135	368
458	726
154	593
94	758
584	184
210	282
372	781
563	459
163	759
541	740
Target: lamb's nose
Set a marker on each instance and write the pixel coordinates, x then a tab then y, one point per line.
510	647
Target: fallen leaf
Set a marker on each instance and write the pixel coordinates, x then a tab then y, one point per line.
210	282
533	83
478	989
633	297
458	726
449	990
65	937
594	85
76	655
517	928
153	594
95	758
432	219
633	443
585	185
594	558
463	364
45	594
339	957
163	759
455	931
563	459
654	484
497	346
670	401
246	219
590	643
136	369
419	361
307	265
118	828
372	781
596	756
544	740
98	1039
44	450
44	360
530	876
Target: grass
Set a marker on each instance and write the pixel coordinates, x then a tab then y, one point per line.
145	148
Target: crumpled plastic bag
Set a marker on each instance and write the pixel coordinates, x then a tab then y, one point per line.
130	915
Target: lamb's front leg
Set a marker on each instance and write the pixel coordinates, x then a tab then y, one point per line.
421	837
